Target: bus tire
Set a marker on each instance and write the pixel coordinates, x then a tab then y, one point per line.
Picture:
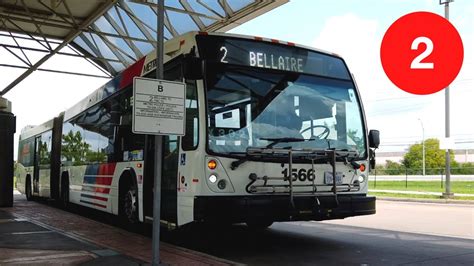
28	194
128	200
64	191
259	225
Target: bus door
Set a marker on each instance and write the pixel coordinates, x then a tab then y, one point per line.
191	161
168	178
36	170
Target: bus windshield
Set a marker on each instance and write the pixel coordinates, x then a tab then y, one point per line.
250	107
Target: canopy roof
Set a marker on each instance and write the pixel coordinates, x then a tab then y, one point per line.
110	34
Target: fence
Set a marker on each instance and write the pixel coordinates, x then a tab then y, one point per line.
414	178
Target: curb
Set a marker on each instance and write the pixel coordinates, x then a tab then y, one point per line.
442	201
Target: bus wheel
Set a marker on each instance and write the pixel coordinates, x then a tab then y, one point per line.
29	197
259	225
64	192
129	203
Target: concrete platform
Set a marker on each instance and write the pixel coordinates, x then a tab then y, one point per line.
35	233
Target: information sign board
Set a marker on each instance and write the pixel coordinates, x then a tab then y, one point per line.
158	107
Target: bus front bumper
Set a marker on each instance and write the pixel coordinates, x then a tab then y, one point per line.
236	209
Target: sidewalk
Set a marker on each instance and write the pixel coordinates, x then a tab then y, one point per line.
32	232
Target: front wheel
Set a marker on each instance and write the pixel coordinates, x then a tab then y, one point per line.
129	205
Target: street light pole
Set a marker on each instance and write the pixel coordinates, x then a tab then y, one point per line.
423	145
448	193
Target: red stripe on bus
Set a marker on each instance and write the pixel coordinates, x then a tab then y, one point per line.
103	180
102	190
258	38
291	43
131	72
275	41
107	169
100	198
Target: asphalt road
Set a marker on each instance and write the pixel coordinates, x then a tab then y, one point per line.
455	220
382	239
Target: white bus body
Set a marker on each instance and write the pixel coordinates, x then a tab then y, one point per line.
258	111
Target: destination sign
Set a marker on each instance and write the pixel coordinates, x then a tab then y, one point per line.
261	54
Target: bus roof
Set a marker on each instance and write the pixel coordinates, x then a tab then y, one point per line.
30	131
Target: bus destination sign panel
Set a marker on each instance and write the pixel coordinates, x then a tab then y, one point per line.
158	107
274	56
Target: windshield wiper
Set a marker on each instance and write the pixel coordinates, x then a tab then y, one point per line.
283	140
274	141
350	157
237	163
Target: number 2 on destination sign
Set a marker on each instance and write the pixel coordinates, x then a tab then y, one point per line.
223	49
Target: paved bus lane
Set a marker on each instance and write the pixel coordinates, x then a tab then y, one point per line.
442	219
400	233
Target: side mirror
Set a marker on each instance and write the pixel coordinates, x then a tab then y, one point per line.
374	138
192	67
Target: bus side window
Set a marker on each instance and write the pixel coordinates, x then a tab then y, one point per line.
191	139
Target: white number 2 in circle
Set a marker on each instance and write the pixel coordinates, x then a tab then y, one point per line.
416	63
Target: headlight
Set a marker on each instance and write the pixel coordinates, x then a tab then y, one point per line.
361	178
213	178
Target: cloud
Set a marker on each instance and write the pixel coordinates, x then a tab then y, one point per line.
357	41
388	108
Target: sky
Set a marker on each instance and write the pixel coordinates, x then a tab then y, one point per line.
352	29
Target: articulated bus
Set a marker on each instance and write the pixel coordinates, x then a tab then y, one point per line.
274	132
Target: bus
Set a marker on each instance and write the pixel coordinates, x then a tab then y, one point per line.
275	131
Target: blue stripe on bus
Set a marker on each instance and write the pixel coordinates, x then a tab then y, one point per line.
92	169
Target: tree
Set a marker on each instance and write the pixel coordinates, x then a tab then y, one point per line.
74	148
434	157
394	168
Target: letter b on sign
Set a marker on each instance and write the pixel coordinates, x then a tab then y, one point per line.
421	53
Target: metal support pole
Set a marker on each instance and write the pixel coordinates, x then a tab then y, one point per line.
448	193
441	172
375	181
158	139
406	177
423	145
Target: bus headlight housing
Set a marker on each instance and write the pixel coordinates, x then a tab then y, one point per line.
213	178
217	179
361	178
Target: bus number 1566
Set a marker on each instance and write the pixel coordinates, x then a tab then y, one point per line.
299	174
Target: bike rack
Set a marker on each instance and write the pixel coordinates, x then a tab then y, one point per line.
316	189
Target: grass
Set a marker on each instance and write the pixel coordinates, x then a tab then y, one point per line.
463	187
412	196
